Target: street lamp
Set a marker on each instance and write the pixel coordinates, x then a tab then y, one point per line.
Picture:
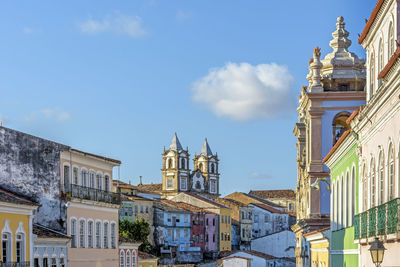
377	250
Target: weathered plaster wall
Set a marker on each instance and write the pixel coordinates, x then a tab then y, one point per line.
31	165
280	244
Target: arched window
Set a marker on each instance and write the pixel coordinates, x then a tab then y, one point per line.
66	178
391	173
339	125
98	235
183	164
333	209
6	247
91	179
105	235
380	58
128	259
106	183
113	236
99	181
169	163
390	41
73	233
84	178
352	209
82	234
341	190
201	166
372	76
212	168
20	247
121	259
337	204
373	184
133	258
90	234
381	179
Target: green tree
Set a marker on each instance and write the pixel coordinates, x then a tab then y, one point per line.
138	230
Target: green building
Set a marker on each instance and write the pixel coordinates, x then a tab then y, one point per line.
343	163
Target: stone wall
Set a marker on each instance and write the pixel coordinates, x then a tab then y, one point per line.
31	166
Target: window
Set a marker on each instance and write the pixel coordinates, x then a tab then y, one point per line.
380	58
133	258
213	221
213	238
178	234
91	180
53	262
212	168
128	259
347	207
19	247
339	125
99	182
136	209
105	235
242	214
66	177
183	164
390	41
365	188
222	236
372	76
45	262
113	240
381	179
353	196
169	217
90	234
84	178
169	163
373	184
206	237
222	219
201	166
82	234
121	259
141	208
183	183
106	183
201	238
73	233
186	232
266	218
98	235
256	218
213	186
75	173
391	173
229	219
62	264
186	218
201	220
6	247
206	221
147	209
36	262
169	183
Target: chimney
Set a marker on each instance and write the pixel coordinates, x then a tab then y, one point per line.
140	177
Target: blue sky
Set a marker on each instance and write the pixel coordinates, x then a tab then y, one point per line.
118	78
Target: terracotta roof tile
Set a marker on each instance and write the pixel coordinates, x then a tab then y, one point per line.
370	20
267	194
267	207
212	202
316	231
10	197
189	207
390	63
333	149
153	188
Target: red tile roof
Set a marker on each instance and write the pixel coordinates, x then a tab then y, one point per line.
189	207
316	231
390	63
266	194
267	207
212	202
152	188
370	21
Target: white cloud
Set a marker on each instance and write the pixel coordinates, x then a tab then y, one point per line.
260	176
54	114
28	30
244	92
116	23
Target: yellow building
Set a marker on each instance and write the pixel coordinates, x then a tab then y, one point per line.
16	215
146	260
319	247
225	239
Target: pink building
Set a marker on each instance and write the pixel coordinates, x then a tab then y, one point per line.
211	221
128	252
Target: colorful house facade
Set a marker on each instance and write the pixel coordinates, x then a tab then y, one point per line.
343	162
128	252
378	128
16	218
335	90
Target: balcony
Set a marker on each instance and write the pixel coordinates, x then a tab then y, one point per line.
15	264
381	220
82	192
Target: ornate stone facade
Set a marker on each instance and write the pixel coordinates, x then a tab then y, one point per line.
336	88
178	177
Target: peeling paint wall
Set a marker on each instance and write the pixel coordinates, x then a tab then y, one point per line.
31	166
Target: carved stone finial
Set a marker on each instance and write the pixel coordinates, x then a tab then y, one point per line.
317	53
315	71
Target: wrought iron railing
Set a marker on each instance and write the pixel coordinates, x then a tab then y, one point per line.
381	220
82	192
15	264
356	223
372	222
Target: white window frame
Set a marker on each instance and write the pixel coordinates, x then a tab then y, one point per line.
73	220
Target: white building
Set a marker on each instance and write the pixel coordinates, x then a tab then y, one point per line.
279	244
267	220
